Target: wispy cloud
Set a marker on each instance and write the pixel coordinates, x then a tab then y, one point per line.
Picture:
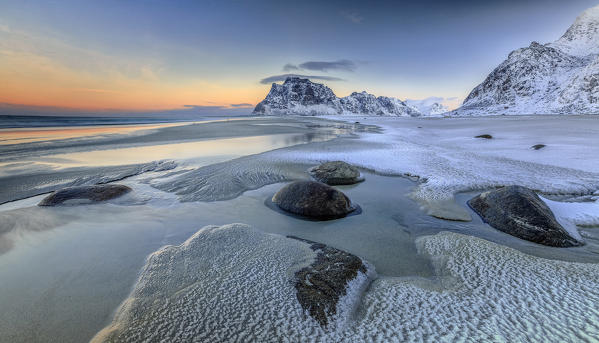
283	77
346	65
325	66
290	67
352	16
242	105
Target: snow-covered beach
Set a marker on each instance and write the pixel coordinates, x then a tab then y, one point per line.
87	272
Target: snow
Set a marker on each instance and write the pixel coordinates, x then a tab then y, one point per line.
442	153
573	214
223	284
428	107
555	78
582	37
232	283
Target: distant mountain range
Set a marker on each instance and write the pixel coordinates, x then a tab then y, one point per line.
298	96
555	78
561	77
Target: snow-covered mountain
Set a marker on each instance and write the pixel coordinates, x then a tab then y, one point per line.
299	96
561	77
428	107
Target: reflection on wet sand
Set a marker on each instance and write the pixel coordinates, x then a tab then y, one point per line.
26	135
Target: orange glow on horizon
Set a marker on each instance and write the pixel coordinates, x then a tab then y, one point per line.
33	79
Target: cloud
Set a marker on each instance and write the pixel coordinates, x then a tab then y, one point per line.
352	16
346	65
283	77
246	105
290	67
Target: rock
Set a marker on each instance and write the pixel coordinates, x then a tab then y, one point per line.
321	284
336	173
300	96
520	212
94	193
485	136
313	199
538	146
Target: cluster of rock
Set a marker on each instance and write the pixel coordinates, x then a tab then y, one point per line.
324	282
297	96
317	199
520	212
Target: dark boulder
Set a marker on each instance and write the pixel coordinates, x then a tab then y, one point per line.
320	285
485	136
313	199
94	193
538	146
520	212
336	173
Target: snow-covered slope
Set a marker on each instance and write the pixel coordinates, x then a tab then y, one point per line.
428	107
303	97
555	78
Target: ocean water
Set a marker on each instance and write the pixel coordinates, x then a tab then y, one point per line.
17	121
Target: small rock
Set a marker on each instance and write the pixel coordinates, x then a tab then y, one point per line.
94	193
520	212
336	173
485	136
313	199
320	285
538	146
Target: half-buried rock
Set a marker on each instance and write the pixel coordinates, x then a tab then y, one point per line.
314	200
336	173
325	281
84	194
520	212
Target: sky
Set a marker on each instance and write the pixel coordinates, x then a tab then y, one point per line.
154	55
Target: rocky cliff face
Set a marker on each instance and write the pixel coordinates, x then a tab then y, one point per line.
297	96
555	78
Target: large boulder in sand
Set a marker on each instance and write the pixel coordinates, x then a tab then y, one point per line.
336	173
320	285
88	194
313	199
520	212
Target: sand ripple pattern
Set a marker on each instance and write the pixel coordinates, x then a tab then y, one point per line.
232	283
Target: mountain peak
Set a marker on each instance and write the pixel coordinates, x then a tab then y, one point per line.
559	77
582	37
300	96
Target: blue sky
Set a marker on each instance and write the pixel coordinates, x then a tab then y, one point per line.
167	54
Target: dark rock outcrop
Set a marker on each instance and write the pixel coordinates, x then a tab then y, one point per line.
94	193
314	200
321	284
336	173
485	136
520	212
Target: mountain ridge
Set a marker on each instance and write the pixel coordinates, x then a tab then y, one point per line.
560	77
300	96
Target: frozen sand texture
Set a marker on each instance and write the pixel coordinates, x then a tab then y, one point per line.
232	284
229	283
442	152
